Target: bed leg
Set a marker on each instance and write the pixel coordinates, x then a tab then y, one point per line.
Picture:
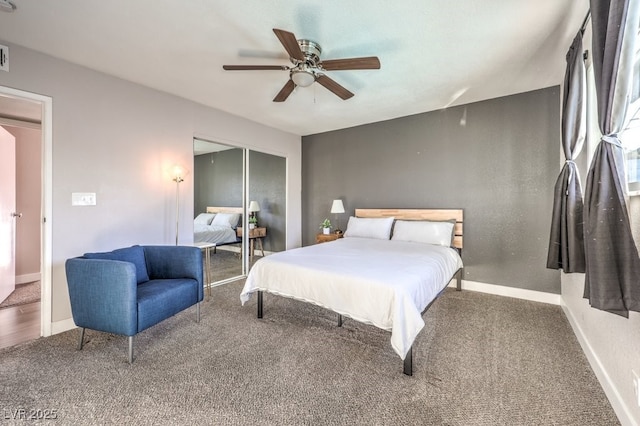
408	362
459	280
339	320
259	304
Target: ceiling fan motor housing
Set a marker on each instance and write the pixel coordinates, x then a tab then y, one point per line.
311	51
305	72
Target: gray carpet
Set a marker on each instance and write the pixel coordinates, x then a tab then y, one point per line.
23	294
481	360
227	264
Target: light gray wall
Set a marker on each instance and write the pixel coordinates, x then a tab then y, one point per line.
611	342
496	159
119	140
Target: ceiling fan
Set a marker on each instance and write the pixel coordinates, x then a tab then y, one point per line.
308	68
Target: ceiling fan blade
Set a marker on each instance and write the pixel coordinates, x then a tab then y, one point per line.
334	87
254	67
290	43
284	93
365	63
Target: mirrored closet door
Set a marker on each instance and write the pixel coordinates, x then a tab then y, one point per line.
239	205
266	189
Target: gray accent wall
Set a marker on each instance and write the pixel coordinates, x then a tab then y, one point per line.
218	180
497	159
267	186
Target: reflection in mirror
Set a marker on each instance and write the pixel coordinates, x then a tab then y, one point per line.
267	196
218	194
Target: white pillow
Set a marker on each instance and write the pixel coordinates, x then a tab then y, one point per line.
379	228
204	218
226	219
424	231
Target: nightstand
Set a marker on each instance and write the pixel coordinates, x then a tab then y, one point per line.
255	234
323	238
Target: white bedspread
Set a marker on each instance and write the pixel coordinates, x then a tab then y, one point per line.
213	234
380	282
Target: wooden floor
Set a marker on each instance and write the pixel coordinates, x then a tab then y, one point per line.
19	324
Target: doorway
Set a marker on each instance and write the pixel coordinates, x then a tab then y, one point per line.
26	313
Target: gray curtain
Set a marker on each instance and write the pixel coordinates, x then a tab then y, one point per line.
612	280
566	243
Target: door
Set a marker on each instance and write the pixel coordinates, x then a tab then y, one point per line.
7	213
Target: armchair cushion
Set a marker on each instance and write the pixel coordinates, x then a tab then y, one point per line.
134	254
162	298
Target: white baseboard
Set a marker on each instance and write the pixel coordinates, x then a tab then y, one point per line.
228	248
518	293
610	390
27	278
62	326
237	250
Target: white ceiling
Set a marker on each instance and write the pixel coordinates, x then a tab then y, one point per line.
433	53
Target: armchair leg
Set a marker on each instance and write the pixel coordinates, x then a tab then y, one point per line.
198	309
130	349
81	339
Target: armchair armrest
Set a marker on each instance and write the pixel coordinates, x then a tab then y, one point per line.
167	262
103	295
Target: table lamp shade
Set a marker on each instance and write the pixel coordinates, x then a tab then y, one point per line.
337	206
254	206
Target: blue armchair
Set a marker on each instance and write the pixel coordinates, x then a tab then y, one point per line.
128	290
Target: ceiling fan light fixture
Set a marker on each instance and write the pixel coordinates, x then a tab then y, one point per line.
303	78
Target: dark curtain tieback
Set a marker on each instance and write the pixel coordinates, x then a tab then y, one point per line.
572	171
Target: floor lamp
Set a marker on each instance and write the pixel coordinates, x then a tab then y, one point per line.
178	177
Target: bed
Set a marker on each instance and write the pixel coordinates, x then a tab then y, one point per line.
372	275
217	225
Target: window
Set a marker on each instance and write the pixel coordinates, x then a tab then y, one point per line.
630	136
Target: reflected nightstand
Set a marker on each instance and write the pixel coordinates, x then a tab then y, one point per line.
255	234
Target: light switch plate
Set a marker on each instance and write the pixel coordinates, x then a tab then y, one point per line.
83	199
4	58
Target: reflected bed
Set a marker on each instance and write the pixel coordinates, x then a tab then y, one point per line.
217	225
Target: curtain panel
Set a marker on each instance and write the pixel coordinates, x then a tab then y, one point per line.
566	243
612	275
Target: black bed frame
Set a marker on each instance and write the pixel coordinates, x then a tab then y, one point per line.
408	360
237	241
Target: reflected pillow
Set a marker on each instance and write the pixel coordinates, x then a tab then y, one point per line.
364	227
226	219
204	218
424	231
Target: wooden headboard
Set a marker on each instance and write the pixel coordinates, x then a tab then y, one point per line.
224	209
421	214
